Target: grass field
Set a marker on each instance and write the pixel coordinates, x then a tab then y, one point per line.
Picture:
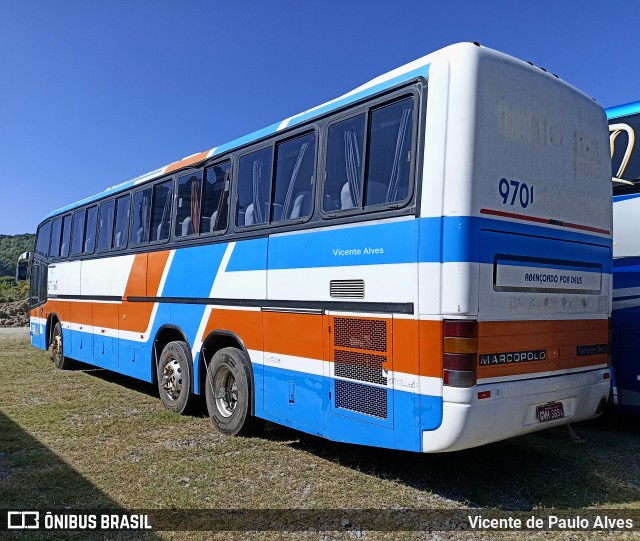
89	438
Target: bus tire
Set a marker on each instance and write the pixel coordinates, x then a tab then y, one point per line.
174	377
57	349
228	392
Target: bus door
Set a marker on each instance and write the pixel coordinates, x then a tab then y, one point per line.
37	297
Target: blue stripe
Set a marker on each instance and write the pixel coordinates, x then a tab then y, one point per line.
445	239
408	413
249	255
618	198
378	244
623	110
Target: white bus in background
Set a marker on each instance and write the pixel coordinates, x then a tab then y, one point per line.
423	263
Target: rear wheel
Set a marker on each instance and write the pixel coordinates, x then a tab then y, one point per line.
228	393
174	377
57	349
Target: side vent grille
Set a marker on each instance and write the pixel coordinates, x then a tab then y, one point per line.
347	289
361	398
359	353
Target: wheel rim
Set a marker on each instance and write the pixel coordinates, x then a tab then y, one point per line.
56	345
225	392
172	379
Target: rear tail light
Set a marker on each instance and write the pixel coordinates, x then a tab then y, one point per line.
460	352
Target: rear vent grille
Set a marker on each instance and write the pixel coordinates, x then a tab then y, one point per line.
368	334
361	398
357	367
349	289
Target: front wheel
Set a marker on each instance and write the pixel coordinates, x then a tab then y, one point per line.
57	349
228	393
174	377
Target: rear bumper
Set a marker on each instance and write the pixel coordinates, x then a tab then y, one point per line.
511	409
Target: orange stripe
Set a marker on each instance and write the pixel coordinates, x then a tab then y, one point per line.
300	335
187	161
431	348
155	268
247	325
558	338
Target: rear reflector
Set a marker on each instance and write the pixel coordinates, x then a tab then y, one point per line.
462	328
456	361
606	375
484	394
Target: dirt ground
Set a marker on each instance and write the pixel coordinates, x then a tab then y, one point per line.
14	332
14	314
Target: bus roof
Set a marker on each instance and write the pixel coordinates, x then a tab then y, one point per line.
623	110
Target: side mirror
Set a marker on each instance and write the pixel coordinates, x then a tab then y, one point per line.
23	266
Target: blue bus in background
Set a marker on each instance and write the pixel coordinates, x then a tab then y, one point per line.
624	128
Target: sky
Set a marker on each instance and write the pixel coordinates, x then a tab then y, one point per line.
93	93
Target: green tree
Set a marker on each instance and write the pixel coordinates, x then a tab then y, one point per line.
11	246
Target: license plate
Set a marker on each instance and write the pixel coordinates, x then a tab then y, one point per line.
550	412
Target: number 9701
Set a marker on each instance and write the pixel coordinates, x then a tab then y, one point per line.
514	191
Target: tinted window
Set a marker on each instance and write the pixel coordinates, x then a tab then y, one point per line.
389	153
215	198
78	232
188	205
122	223
105	228
56	229
141	216
66	236
161	212
34	283
90	234
294	178
254	183
42	244
625	159
345	155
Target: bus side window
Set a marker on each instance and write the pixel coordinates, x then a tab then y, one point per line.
141	216
56	229
215	198
161	212
254	187
345	154
294	178
90	231
122	223
78	232
42	244
66	236
105	229
187	220
389	153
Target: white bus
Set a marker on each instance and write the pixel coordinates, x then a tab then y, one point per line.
420	264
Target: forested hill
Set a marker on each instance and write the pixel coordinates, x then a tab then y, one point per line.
11	246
